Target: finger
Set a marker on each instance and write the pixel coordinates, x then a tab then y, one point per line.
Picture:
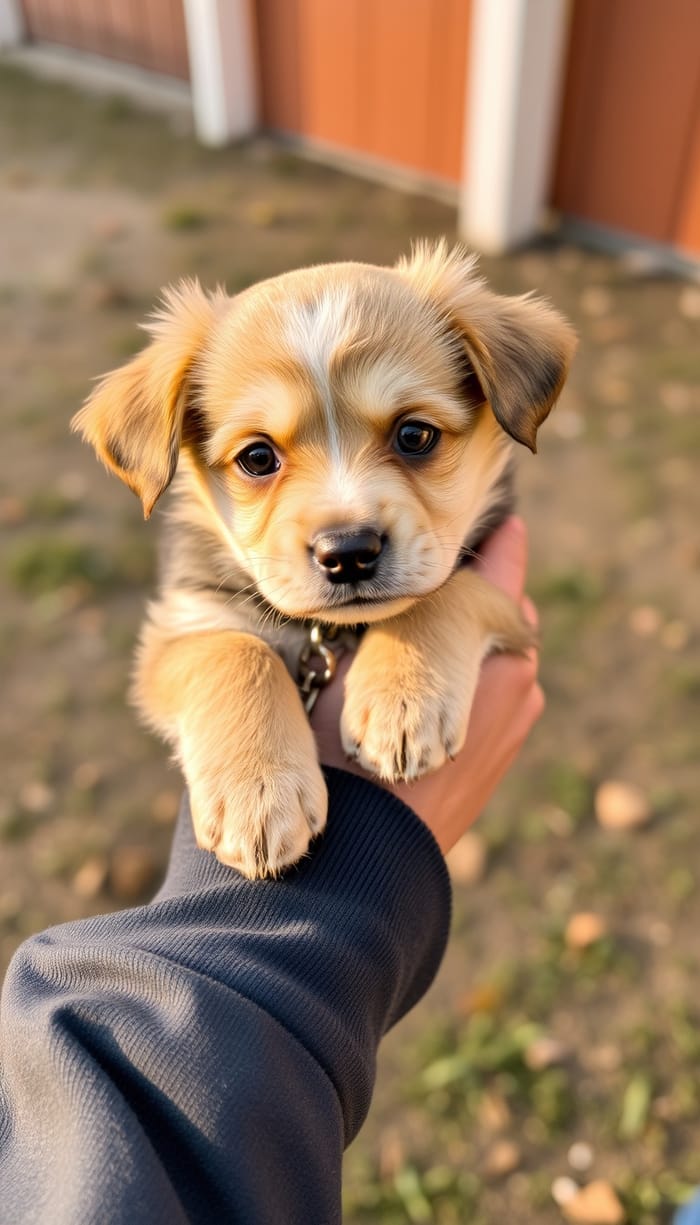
530	713
530	612
503	559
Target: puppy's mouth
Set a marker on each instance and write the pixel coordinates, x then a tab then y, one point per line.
354	600
356	607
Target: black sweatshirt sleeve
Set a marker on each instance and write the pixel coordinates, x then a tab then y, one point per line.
207	1057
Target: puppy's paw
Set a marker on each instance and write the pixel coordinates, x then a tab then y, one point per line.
402	717
398	736
409	692
257	818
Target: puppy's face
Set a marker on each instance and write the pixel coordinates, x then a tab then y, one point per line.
347	424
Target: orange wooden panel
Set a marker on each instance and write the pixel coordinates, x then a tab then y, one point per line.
149	33
382	77
278	55
686	230
628	112
397	80
330	71
448	90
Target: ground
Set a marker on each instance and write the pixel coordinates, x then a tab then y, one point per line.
525	1046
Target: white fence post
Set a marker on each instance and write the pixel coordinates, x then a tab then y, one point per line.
11	23
220	39
513	88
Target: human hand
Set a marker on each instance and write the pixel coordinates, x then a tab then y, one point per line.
508	702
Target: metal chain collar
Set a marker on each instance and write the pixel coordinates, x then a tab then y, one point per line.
318	661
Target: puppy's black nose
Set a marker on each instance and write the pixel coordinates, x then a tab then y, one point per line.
348	557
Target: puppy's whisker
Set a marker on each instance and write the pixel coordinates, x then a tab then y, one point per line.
255	593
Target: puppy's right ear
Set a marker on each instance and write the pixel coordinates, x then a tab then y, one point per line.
134	417
519	348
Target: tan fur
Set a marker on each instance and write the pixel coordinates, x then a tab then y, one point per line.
227	703
134	417
410	688
323	364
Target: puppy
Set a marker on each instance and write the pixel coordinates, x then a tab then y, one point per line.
340	442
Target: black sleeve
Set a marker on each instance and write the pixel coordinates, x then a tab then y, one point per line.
207	1057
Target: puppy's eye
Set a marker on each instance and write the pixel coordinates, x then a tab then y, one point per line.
259	459
416	438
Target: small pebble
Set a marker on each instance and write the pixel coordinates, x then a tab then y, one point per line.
676	472
87	775
580	1156
619	425
645	621
614	390
545	1052
558	820
263	213
10	904
72	485
36	797
91	621
502	1158
105	294
493	1112
132	872
595	1204
91	877
19	176
676	398
12	511
620	805
660	933
165	807
675	635
584	929
467	859
392	1154
689	302
563	1190
664	1107
609	330
605	1058
595	301
567	423
109	228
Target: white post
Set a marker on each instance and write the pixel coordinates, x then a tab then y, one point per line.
515	71
11	23
220	39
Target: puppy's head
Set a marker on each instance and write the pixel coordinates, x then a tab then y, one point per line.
346	425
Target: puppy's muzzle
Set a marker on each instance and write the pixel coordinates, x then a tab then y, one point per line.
348	557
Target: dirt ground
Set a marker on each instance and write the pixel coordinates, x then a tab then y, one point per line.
526	1046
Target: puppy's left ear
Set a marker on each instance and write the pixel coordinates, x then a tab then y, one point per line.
135	416
519	348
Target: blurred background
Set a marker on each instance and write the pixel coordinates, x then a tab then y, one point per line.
553	1071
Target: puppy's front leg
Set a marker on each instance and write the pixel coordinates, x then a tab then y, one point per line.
228	704
410	689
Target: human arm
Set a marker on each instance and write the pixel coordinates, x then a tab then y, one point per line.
208	1056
